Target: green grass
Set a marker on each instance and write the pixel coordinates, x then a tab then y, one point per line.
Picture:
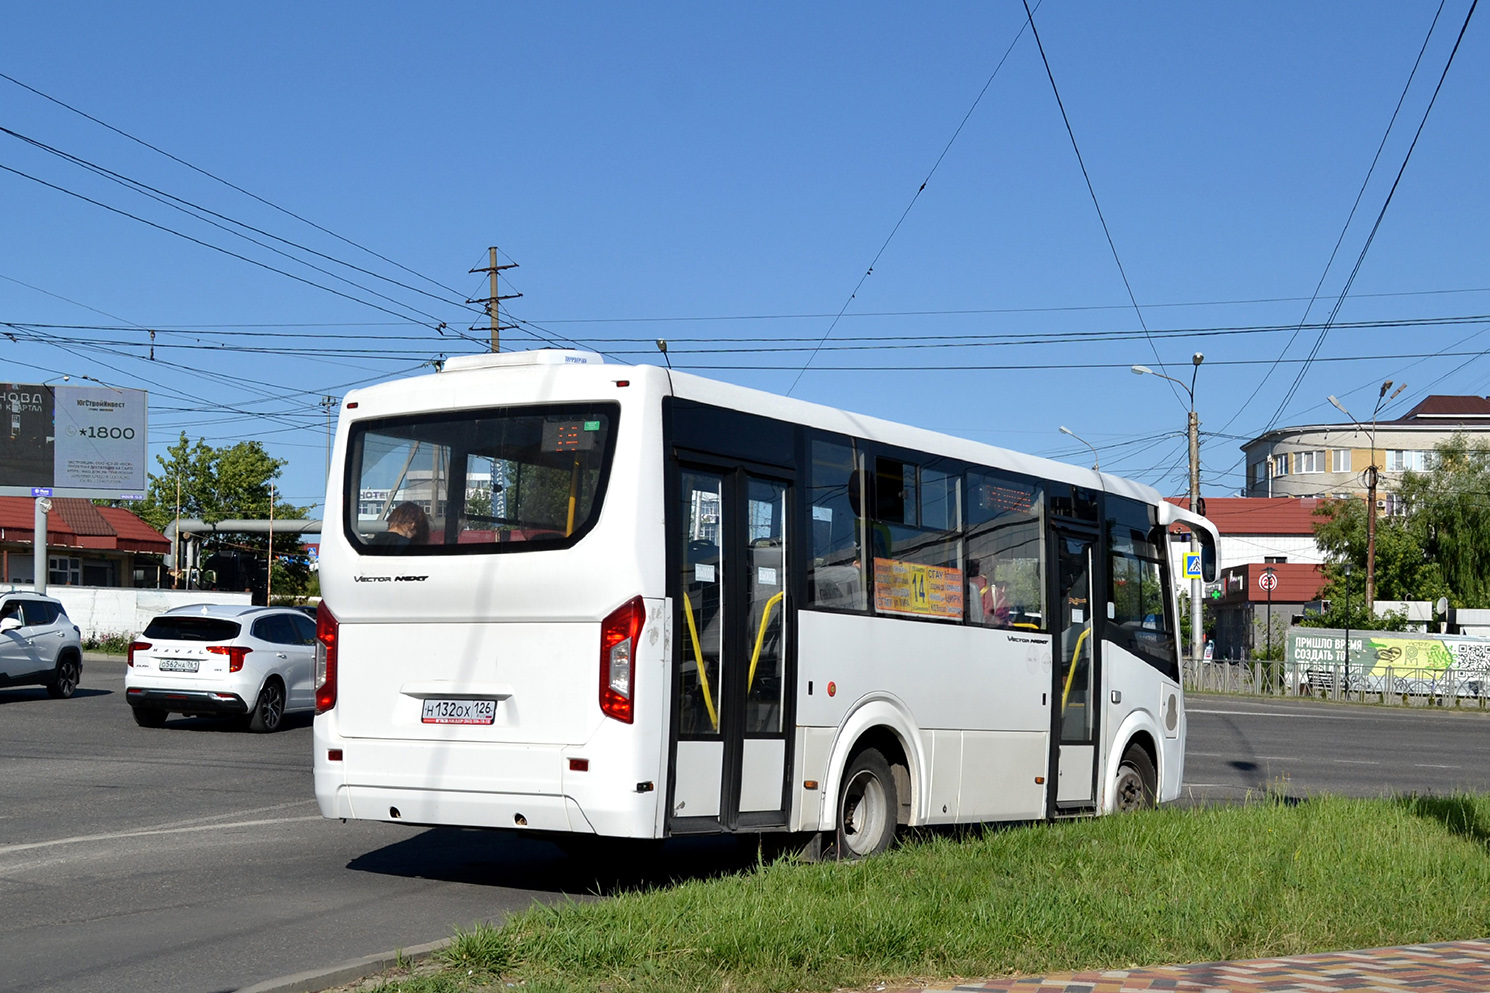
1168	886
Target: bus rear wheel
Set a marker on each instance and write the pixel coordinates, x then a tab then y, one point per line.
867	807
1136	786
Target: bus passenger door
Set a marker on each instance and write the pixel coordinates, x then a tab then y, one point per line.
729	743
1076	668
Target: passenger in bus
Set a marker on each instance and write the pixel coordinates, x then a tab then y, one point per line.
407	525
987	604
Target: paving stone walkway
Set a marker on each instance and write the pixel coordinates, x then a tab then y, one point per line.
1449	967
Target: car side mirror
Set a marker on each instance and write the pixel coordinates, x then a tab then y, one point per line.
9	624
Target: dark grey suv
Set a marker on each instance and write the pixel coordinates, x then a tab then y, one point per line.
39	644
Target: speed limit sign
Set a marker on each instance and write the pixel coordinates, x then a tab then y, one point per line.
1268	581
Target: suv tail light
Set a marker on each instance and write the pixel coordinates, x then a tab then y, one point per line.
136	646
618	640
326	628
235	654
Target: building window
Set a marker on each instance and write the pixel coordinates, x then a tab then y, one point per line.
1309	461
1391	504
1403	460
1274	559
64	571
1339	460
1280	464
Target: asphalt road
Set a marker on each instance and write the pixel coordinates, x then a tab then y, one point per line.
192	858
1248	746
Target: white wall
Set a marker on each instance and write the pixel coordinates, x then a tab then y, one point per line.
99	612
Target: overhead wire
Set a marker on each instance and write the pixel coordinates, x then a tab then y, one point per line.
914	197
1071	133
1375	227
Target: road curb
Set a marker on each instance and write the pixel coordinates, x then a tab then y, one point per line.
314	980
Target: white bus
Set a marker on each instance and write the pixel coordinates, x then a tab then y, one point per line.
571	597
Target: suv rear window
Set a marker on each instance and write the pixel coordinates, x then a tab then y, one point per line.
168	628
501	479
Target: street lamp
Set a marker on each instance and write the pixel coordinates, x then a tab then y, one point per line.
1194	432
1096	463
1371	477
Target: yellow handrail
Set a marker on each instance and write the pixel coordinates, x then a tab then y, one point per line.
1075	654
698	659
760	638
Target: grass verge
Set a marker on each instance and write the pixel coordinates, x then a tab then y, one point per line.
1168	886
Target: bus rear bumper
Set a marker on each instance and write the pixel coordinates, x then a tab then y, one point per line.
531	811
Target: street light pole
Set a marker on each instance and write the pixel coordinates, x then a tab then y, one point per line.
1096	462
1193	429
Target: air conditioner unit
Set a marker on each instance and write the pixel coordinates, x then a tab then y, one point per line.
1381	505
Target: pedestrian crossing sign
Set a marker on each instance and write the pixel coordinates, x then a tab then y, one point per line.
1192	565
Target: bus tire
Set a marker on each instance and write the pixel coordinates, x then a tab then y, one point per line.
867	807
1136	787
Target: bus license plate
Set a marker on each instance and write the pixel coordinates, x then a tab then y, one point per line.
177	665
460	711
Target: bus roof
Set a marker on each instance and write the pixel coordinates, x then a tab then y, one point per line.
550	363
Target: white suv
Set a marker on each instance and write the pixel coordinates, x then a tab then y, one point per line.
39	644
223	660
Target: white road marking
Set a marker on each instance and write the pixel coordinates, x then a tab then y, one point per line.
1425	765
178	827
1265	713
1354	762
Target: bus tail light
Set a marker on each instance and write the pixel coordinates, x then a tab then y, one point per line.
235	653
326	630
618	640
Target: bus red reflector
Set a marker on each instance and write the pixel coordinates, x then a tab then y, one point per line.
333	755
579	765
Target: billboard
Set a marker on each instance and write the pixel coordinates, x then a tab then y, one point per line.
78	441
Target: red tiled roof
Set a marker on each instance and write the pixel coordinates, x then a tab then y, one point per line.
78	516
1259	515
1448	409
77	523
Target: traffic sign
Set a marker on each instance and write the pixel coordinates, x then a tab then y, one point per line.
1192	565
1268	581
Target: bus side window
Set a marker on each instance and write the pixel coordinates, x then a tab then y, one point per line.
1005	552
836	569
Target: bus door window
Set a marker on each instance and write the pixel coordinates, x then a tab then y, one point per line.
836	573
1076	644
702	586
1005	552
765	687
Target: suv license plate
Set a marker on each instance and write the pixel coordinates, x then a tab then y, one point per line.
177	665
460	712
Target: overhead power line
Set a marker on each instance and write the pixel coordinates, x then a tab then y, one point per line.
1370	238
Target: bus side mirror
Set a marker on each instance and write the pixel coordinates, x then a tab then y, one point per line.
1207	555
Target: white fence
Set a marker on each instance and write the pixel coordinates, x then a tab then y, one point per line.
103	611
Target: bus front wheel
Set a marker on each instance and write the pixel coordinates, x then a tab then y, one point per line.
1136	786
867	806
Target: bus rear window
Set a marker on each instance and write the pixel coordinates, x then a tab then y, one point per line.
497	479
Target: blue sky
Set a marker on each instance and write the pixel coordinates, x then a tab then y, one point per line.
724	176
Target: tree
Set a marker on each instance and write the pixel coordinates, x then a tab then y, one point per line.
216	484
1450	504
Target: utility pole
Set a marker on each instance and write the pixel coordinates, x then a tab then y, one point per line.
493	302
1372	475
330	404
